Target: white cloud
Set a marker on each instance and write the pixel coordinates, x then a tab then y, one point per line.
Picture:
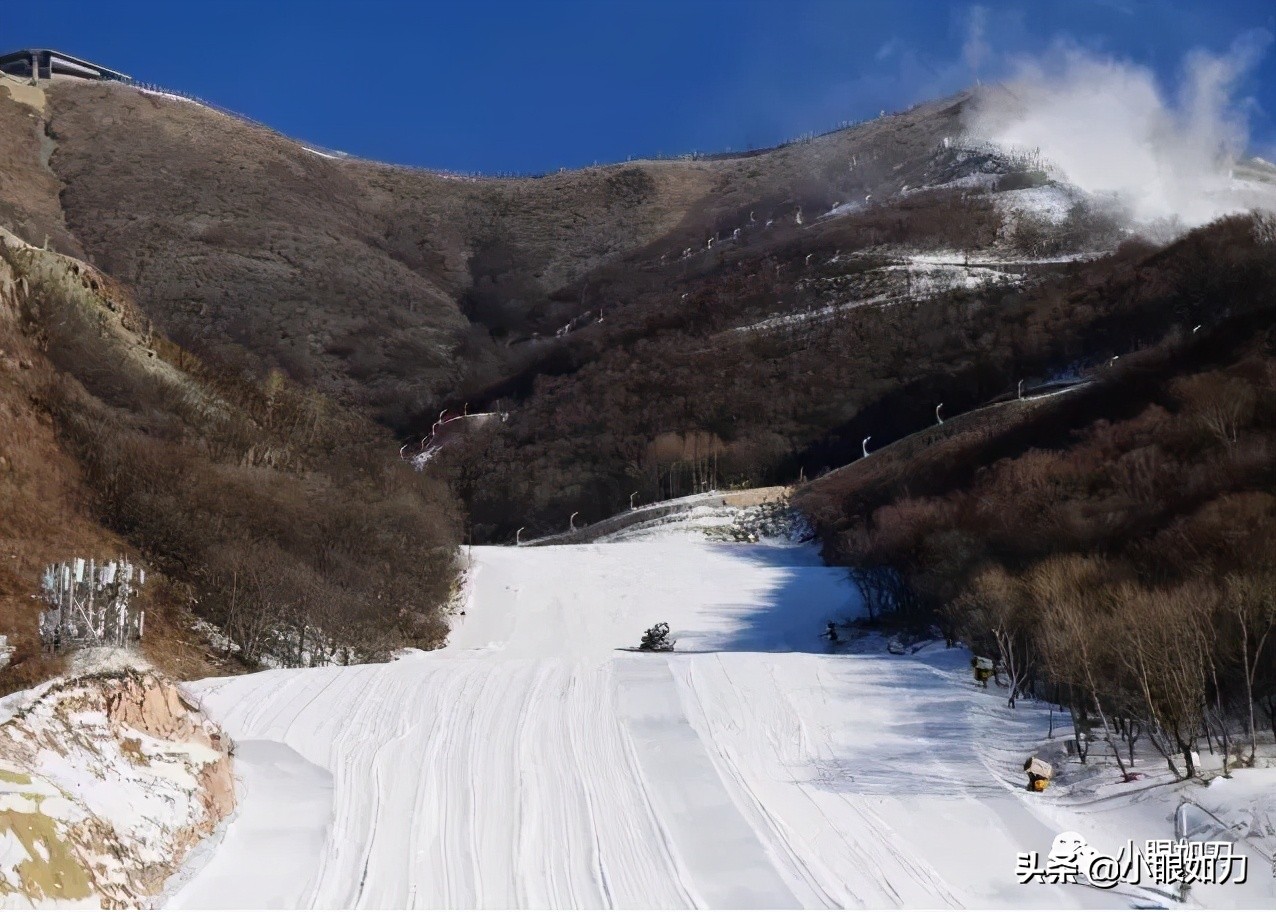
1111	129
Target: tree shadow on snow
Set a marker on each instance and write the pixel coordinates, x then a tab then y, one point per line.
788	614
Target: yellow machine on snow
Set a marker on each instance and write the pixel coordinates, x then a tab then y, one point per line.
1039	773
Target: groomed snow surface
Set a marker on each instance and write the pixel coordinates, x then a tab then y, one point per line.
535	762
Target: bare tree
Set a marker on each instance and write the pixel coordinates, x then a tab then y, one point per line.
993	609
1251	601
1077	632
1220	404
1169	659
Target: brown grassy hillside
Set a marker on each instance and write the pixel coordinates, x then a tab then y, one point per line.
363	279
49	512
262	507
29	204
401	291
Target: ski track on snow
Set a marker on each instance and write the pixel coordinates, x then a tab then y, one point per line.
530	763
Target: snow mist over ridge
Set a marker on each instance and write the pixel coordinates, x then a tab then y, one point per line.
1111	130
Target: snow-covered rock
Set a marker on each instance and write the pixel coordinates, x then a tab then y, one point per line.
106	783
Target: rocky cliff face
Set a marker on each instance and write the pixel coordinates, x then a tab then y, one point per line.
106	783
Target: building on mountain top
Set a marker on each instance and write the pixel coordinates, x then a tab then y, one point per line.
44	63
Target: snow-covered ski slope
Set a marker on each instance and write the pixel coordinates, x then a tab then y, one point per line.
536	763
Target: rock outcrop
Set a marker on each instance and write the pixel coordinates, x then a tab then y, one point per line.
106	783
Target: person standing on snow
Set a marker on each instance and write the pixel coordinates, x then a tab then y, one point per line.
831	634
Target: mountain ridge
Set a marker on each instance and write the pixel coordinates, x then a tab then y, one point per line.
441	255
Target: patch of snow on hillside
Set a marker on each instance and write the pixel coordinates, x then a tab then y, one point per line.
978	181
1050	202
693	525
106	659
422	459
169	95
929	274
771	522
842	209
815	315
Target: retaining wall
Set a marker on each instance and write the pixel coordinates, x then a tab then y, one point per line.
749	497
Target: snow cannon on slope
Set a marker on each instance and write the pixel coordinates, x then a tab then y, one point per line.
656	639
1039	773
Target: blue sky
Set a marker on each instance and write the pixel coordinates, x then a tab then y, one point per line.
498	85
